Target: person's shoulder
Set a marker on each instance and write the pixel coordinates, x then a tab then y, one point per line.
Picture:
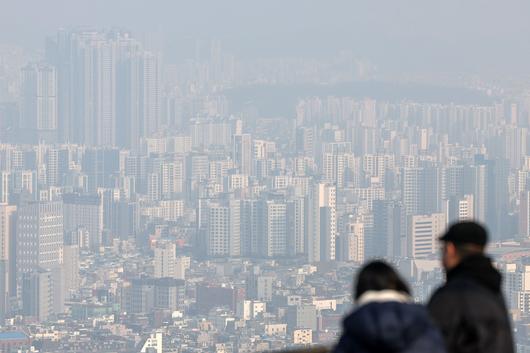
459	285
465	294
390	311
453	291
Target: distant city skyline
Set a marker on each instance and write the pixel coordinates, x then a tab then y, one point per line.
208	177
410	36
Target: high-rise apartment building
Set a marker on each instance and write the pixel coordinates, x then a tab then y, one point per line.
84	211
321	223
210	132
243	153
8	284
5	186
420	190
105	80
223	234
305	141
424	231
71	266
387	238
39	236
334	168
524	215
451	181
353	242
38	115
182	264
465	208
250	227
171	178
38	294
478	177
411	190
296	227
165	260
39	257
100	165
274	237
260	287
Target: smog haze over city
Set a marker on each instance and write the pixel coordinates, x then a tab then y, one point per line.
210	176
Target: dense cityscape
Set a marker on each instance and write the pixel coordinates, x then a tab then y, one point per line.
223	204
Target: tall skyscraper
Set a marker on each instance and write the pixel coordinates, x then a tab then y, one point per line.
150	85
8	287
87	81
105	79
296	226
274	236
52	167
524	215
250	227
387	238
129	111
411	191
243	153
38	107
477	180
321	223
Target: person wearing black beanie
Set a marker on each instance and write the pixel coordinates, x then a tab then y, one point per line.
469	308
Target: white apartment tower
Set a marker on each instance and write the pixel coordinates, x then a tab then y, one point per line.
424	232
465	208
164	260
39	236
223	229
321	223
275	229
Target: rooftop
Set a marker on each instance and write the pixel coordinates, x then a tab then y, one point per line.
13	335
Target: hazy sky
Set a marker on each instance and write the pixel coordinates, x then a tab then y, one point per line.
413	35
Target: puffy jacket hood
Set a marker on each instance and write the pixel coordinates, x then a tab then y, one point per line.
387	326
477	268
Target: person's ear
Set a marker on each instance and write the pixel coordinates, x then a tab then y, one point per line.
450	248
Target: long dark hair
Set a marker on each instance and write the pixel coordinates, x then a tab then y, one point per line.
378	275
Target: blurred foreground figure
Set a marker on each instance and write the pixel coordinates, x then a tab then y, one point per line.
470	308
385	319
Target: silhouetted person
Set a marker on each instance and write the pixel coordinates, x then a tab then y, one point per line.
470	308
385	319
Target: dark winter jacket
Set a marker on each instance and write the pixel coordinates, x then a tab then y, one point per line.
390	327
470	310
